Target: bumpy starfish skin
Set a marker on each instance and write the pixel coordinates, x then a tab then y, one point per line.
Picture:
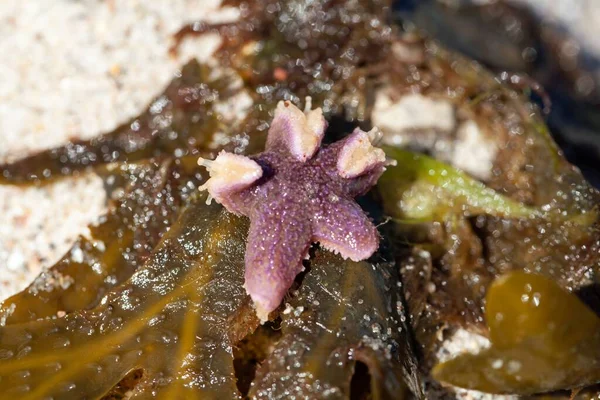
296	193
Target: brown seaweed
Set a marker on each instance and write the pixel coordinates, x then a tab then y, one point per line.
171	320
345	313
333	51
543	338
176	319
181	121
146	200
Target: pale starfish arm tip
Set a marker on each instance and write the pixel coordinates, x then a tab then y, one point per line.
264	301
358	155
262	313
300	132
229	173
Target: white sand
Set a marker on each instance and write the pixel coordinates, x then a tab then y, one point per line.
73	70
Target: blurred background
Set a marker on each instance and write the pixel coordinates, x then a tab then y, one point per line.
555	42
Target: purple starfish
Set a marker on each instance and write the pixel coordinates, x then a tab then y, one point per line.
296	193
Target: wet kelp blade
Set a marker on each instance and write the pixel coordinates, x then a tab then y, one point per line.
176	122
151	196
422	188
170	320
344	312
543	339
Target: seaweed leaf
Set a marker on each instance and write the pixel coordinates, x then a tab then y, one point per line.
113	249
172	320
420	187
345	312
179	121
543	339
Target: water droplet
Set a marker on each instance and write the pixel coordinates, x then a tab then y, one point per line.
536	299
22	389
513	366
156	320
87	330
62	342
24	374
95	367
24	351
431	287
376	328
5	354
399	307
55	367
167	338
70	386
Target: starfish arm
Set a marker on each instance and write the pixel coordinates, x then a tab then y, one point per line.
295	132
343	227
353	163
278	241
230	174
357	156
362	184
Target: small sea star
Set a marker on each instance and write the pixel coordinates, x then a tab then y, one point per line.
296	193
